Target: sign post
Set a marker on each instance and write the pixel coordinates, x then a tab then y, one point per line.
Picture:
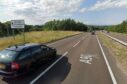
18	24
24	35
13	32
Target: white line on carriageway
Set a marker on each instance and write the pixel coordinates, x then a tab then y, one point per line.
47	69
107	63
76	43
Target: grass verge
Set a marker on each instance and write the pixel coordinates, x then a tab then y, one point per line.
119	50
36	37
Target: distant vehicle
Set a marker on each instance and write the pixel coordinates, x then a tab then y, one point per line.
19	59
93	32
108	32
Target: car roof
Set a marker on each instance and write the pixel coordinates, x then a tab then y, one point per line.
21	47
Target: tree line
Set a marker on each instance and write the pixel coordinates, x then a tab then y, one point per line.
66	24
5	29
121	28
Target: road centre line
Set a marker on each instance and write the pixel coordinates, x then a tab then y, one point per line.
107	63
76	43
47	69
80	41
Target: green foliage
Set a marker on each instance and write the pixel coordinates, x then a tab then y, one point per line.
121	28
5	29
67	24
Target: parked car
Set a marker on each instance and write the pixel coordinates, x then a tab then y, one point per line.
17	60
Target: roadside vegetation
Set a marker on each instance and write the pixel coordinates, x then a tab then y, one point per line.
64	25
120	28
118	50
36	37
50	31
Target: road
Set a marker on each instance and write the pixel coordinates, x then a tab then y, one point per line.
79	61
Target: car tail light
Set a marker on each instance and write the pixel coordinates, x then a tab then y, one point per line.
15	66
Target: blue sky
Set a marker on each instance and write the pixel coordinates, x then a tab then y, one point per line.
95	12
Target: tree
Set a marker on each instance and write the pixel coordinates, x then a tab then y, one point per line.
66	24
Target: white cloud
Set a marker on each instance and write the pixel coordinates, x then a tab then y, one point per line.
105	4
82	10
39	11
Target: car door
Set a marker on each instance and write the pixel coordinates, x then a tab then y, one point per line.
25	58
37	53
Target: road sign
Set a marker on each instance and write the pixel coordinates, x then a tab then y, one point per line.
17	24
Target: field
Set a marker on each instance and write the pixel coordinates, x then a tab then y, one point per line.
36	37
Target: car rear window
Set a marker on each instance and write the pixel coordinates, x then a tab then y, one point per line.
7	55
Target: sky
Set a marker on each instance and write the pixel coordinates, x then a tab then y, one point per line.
36	12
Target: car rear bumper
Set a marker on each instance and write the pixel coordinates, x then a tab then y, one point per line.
8	74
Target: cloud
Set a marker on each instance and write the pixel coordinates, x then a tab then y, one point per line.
105	4
40	11
82	10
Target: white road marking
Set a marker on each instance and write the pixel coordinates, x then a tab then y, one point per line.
87	58
46	70
85	61
76	43
122	42
107	63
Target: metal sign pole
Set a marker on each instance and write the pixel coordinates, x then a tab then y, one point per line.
13	32
24	35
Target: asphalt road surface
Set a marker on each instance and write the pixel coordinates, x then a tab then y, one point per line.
79	61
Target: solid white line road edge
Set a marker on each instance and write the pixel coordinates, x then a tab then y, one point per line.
122	42
76	43
47	69
107	63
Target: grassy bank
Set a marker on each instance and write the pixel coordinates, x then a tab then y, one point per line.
123	34
119	50
36	37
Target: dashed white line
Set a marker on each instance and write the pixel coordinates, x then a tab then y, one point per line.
107	63
46	70
76	43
